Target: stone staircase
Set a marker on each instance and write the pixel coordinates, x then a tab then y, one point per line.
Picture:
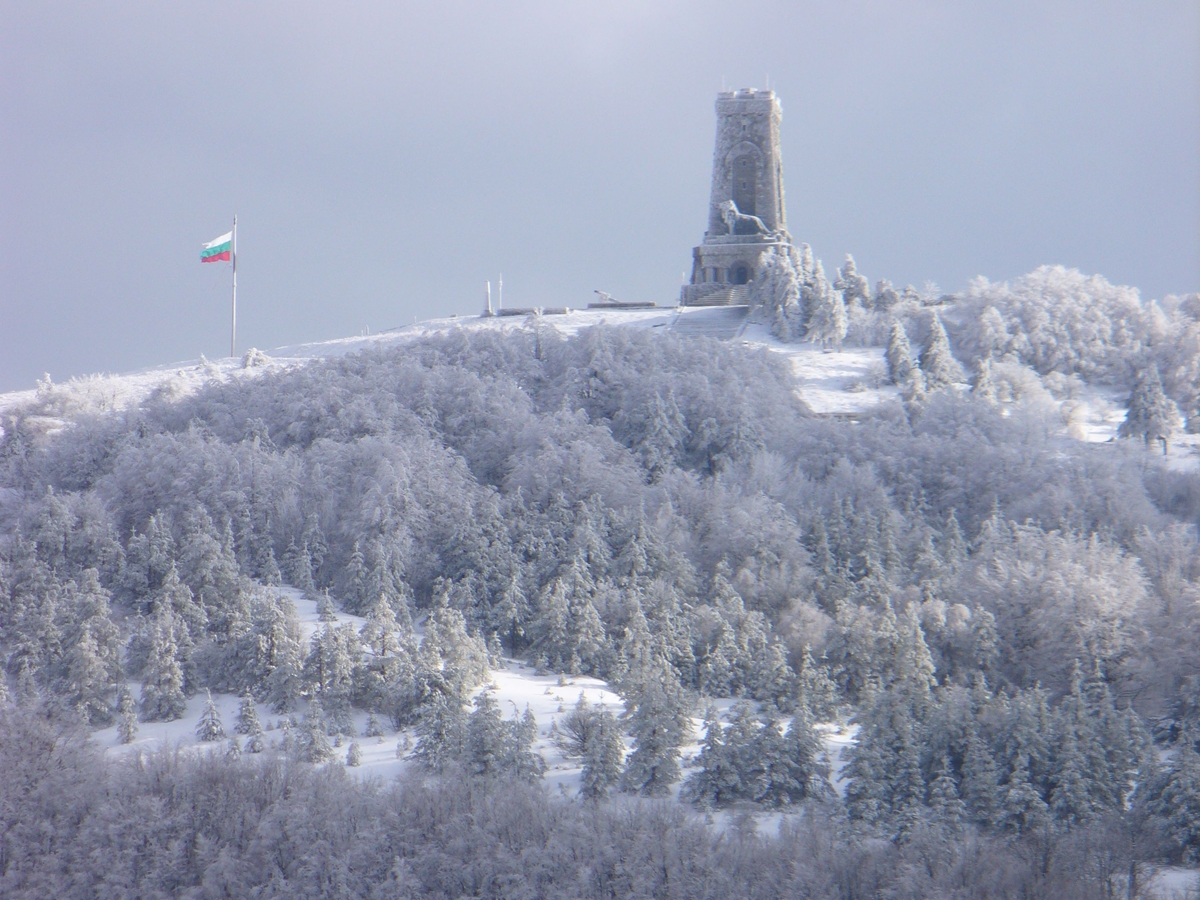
722	323
712	294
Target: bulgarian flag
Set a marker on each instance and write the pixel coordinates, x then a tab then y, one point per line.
220	250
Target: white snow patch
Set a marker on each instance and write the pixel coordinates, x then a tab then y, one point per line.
832	382
1175	883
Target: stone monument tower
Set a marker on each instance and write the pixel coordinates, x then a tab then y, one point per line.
746	215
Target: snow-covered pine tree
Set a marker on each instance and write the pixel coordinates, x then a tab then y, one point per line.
486	737
938	364
126	715
1152	415
354	754
908	786
373	728
804	754
659	722
255	743
854	287
210	727
944	802
354	580
297	565
1022	808
162	684
603	755
379	634
312	743
773	778
777	295
329	668
520	761
815	689
885	296
898	354
982	386
89	678
268	568
980	788
314	539
868	773
826	320
1069	800
278	634
716	780
247	721
1176	800
770	677
440	729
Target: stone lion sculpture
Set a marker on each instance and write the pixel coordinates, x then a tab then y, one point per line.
740	223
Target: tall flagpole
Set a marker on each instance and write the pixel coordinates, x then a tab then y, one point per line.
233	322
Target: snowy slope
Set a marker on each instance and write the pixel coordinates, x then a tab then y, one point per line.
834	377
842	383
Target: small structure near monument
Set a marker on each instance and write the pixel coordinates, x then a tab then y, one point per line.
746	215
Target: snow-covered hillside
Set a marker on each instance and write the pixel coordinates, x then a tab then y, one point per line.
844	383
515	686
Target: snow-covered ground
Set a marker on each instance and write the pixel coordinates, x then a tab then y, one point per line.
1173	883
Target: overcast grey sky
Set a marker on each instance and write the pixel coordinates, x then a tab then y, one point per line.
385	159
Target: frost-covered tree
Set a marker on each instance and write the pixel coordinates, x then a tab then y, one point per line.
379	634
210	727
777	294
981	790
441	732
325	611
603	756
938	364
329	668
1022	807
826	320
1151	416
945	803
162	678
278	651
247	722
898	354
1176	800
716	780
298	566
982	385
885	296
126	715
659	723
486	737
855	289
312	742
354	754
816	691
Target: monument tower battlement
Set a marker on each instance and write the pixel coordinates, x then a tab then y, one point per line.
746	212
